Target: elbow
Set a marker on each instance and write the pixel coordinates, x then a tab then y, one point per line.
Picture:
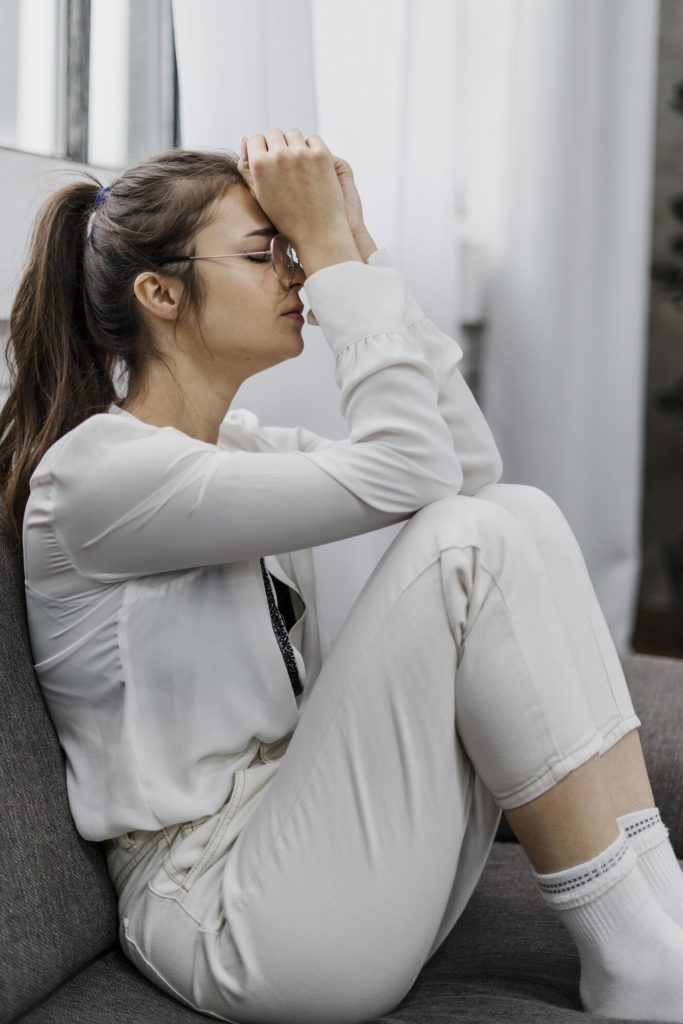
482	474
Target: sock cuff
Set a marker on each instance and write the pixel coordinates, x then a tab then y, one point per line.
644	828
583	882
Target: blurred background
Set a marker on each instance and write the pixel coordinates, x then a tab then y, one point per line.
521	160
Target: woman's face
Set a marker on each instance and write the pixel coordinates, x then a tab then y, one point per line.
243	329
241	316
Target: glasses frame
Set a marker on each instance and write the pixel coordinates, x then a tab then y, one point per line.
260	252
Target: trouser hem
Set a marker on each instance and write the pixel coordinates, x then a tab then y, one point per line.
619	730
554	774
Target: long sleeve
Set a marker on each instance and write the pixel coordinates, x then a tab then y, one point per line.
473	441
128	499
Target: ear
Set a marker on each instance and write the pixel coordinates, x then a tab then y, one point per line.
158	293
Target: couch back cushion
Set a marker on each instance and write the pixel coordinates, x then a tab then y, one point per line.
58	904
656	686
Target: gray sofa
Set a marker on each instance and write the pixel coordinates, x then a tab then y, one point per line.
508	957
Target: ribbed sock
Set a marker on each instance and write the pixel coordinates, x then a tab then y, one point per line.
657	861
631	952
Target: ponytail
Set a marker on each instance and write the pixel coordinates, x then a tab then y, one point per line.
75	314
58	376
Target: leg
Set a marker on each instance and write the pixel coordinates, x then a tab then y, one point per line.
617	782
326	905
576	819
626	775
599	878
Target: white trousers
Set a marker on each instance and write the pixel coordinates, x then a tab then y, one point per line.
474	671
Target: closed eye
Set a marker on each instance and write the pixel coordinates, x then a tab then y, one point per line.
260	259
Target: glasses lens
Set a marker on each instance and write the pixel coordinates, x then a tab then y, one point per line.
285	260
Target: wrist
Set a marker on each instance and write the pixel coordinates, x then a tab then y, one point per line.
328	250
365	243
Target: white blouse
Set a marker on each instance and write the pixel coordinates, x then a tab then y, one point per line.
148	618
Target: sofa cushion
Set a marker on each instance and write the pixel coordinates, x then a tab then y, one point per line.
656	686
508	958
59	907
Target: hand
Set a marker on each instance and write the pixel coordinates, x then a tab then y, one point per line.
295	183
354	210
352	202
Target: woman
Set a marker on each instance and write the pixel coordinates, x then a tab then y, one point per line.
291	840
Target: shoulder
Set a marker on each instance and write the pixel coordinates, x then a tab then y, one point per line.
105	447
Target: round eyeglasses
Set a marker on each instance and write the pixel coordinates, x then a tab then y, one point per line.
280	254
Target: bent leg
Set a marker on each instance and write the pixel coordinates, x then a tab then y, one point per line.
620	774
590	641
451	662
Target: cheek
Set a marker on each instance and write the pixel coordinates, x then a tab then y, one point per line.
243	318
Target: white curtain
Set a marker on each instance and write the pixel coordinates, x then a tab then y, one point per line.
522	128
564	365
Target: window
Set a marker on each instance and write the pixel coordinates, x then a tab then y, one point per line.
90	80
132	81
33	75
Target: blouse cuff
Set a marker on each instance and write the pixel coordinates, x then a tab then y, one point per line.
354	300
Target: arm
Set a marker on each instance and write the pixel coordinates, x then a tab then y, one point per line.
473	441
129	499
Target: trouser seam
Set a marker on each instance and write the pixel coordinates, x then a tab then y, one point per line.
470	627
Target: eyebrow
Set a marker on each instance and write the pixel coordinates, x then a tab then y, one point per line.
261	231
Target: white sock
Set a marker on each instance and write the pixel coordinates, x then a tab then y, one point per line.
631	952
657	860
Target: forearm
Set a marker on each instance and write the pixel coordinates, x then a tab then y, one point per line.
473	440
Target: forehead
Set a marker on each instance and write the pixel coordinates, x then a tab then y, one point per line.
235	215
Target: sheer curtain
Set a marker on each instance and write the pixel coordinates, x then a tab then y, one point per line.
564	365
520	127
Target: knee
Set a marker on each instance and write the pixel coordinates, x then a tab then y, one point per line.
464	520
529	505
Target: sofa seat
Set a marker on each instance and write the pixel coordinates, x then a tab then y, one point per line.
507	959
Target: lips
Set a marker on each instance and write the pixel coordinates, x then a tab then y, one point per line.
295	309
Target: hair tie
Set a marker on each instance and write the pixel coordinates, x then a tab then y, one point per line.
101	194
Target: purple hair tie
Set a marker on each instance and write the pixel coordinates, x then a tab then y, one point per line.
101	194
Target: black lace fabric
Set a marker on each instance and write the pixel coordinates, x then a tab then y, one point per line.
280	626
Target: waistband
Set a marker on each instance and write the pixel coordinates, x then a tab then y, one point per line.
266	752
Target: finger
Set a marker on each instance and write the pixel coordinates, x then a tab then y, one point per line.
244	156
315	142
295	138
256	145
275	139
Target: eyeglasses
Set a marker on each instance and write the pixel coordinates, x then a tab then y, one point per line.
281	255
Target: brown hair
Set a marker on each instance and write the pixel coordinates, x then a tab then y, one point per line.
75	313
